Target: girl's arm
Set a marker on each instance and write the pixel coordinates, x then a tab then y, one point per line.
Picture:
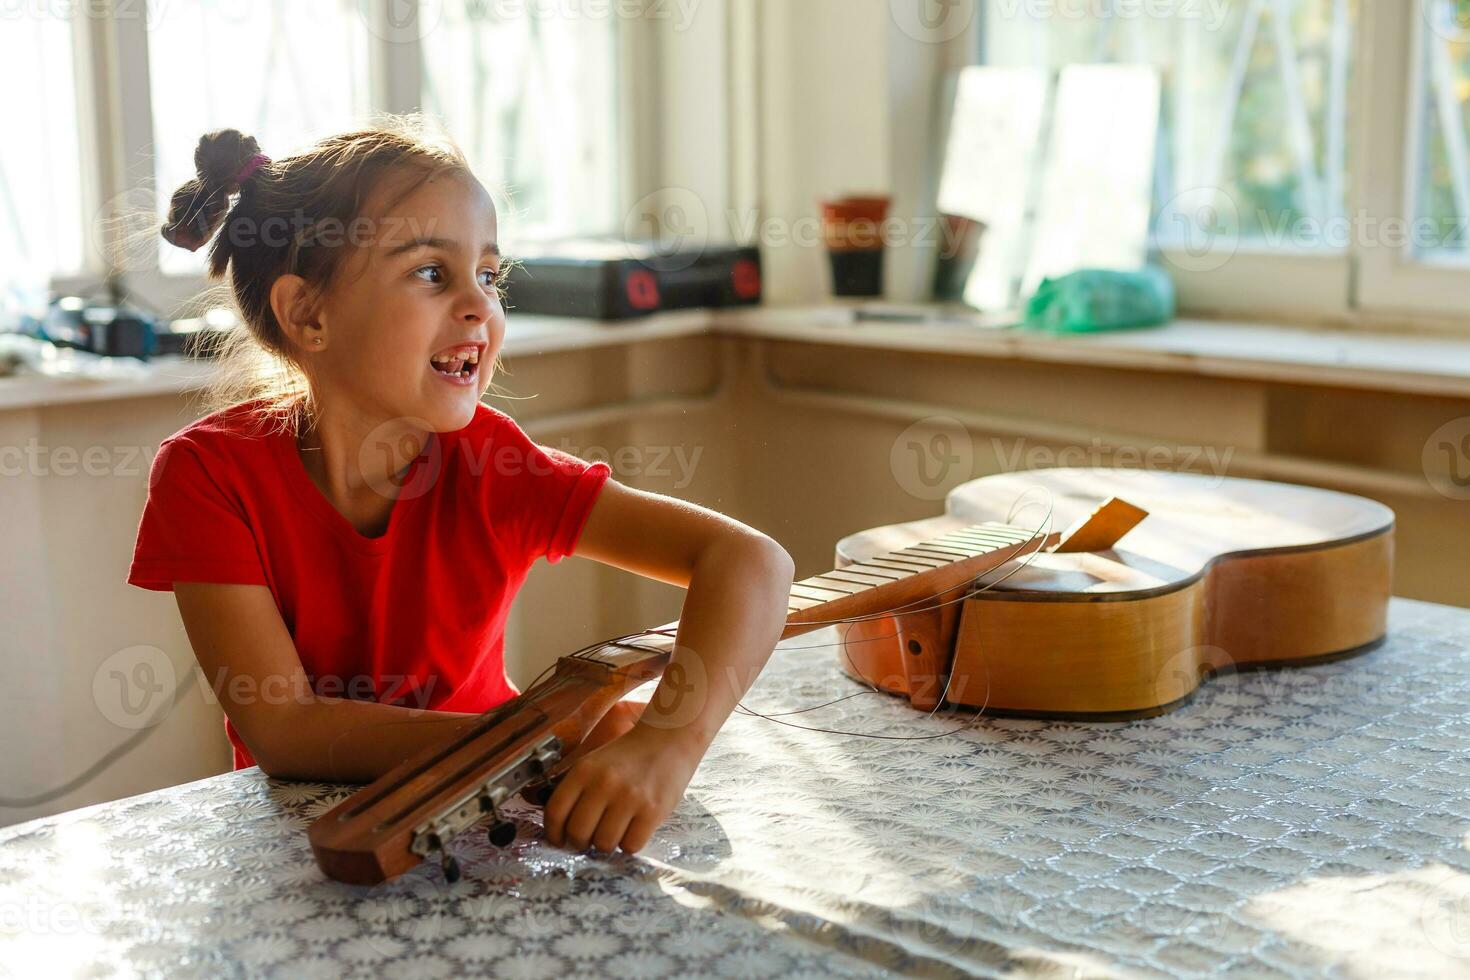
250	661
739	584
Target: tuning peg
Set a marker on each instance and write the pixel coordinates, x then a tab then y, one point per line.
451	867
538	793
502	833
446	860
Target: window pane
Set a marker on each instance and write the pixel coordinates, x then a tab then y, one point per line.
1255	108
287	79
1443	205
532	100
40	176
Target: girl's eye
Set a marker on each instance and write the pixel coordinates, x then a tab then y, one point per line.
494	277
429	268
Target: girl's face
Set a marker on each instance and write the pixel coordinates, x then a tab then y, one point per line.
414	322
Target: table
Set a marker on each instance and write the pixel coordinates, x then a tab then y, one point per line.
1303	822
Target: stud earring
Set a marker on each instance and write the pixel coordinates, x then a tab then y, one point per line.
316	340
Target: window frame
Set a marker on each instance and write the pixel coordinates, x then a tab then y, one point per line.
1393	281
114	115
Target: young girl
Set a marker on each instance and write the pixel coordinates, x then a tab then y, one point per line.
344	540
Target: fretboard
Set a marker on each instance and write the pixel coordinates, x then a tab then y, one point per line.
913	573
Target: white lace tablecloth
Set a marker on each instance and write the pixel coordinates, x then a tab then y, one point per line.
1307	822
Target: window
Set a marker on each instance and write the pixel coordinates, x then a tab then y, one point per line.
531	92
41	224
1441	169
1253	159
286	78
530	101
1255	109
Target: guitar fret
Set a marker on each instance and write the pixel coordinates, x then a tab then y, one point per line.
825	581
1002	530
856	578
924	562
876	571
818	593
982	538
898	565
919	554
952	554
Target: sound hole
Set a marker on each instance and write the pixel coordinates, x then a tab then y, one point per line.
915	648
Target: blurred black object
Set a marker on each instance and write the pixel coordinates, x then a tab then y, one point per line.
614	280
114	331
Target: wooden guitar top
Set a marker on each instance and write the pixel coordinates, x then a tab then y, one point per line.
1193	520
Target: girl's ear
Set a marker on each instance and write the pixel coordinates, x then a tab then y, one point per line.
292	303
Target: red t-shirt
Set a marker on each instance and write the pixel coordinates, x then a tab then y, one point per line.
414	617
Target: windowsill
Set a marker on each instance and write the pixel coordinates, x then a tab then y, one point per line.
1409	364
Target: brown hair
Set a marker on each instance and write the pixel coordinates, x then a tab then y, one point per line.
318	193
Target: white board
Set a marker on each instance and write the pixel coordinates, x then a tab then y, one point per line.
989	164
1097	188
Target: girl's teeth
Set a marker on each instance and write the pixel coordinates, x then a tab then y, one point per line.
470	357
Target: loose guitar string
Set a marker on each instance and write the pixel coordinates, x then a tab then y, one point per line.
1044	530
589	651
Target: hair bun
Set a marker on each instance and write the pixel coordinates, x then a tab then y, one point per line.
221	154
197	208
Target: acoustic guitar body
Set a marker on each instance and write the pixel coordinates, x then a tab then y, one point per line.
1223	574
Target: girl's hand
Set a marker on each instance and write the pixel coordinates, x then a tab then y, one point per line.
625	782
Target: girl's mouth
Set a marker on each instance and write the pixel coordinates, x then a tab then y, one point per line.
458	367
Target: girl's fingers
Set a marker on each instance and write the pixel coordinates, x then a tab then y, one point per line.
614	823
559	807
639	831
584	819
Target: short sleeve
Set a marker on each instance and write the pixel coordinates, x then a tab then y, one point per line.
191	529
540	497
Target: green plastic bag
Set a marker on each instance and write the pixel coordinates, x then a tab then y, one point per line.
1089	300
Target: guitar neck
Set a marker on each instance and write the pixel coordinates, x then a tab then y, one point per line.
928	571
